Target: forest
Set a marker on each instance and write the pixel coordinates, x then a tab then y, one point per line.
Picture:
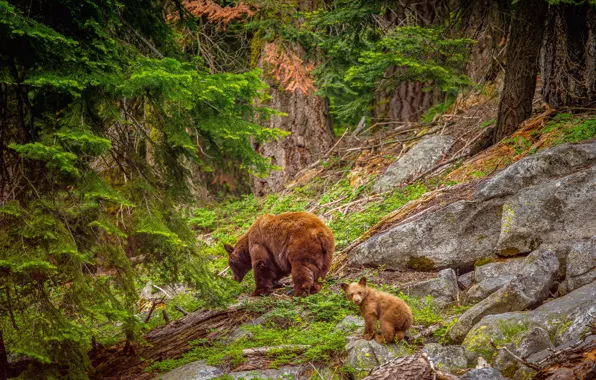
449	146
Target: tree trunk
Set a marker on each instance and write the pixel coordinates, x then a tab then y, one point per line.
3	359
569	56
487	22
521	71
407	102
308	119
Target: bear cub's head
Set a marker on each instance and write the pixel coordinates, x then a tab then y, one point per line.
239	264
356	291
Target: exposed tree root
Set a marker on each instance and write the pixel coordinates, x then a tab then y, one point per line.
165	342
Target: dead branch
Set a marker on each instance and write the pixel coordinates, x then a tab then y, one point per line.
514	356
184	312
267	350
436	373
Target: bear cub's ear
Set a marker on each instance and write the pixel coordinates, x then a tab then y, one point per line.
229	249
344	285
362	281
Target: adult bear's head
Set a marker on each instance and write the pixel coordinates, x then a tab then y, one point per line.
238	259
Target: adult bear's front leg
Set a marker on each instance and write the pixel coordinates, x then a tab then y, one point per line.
263	270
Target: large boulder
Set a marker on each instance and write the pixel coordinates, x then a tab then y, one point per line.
564	319
539	168
420	158
527	289
444	288
452	237
555	211
543	199
450	359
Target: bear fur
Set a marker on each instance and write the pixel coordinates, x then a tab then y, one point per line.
394	315
296	243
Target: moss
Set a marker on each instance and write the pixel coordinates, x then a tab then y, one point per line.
421	263
483	261
507	218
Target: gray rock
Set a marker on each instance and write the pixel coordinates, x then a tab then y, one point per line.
465	280
541	200
581	264
285	373
350	323
565	319
364	355
192	371
539	168
527	289
452	237
480	291
523	345
483	374
498	269
555	211
446	358
444	288
491	277
420	158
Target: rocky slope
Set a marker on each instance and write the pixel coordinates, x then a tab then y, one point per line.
518	250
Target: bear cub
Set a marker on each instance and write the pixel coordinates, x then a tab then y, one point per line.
394	315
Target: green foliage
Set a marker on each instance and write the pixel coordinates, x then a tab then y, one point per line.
99	139
309	321
358	56
566	127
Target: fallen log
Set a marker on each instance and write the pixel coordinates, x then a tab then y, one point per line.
165	342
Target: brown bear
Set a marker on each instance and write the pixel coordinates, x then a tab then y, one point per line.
393	313
296	243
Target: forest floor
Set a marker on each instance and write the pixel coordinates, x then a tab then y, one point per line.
338	188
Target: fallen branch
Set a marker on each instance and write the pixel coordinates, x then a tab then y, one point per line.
184	312
267	350
436	373
514	356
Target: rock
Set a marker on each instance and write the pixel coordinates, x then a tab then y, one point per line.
491	277
285	373
523	345
241	332
480	291
498	269
364	355
350	323
541	200
527	289
452	237
581	264
418	159
192	371
565	319
465	280
404	368
443	289
536	169
446	358
483	374
555	211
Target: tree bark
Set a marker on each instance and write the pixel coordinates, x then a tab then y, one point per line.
569	56
487	22
308	121
521	71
